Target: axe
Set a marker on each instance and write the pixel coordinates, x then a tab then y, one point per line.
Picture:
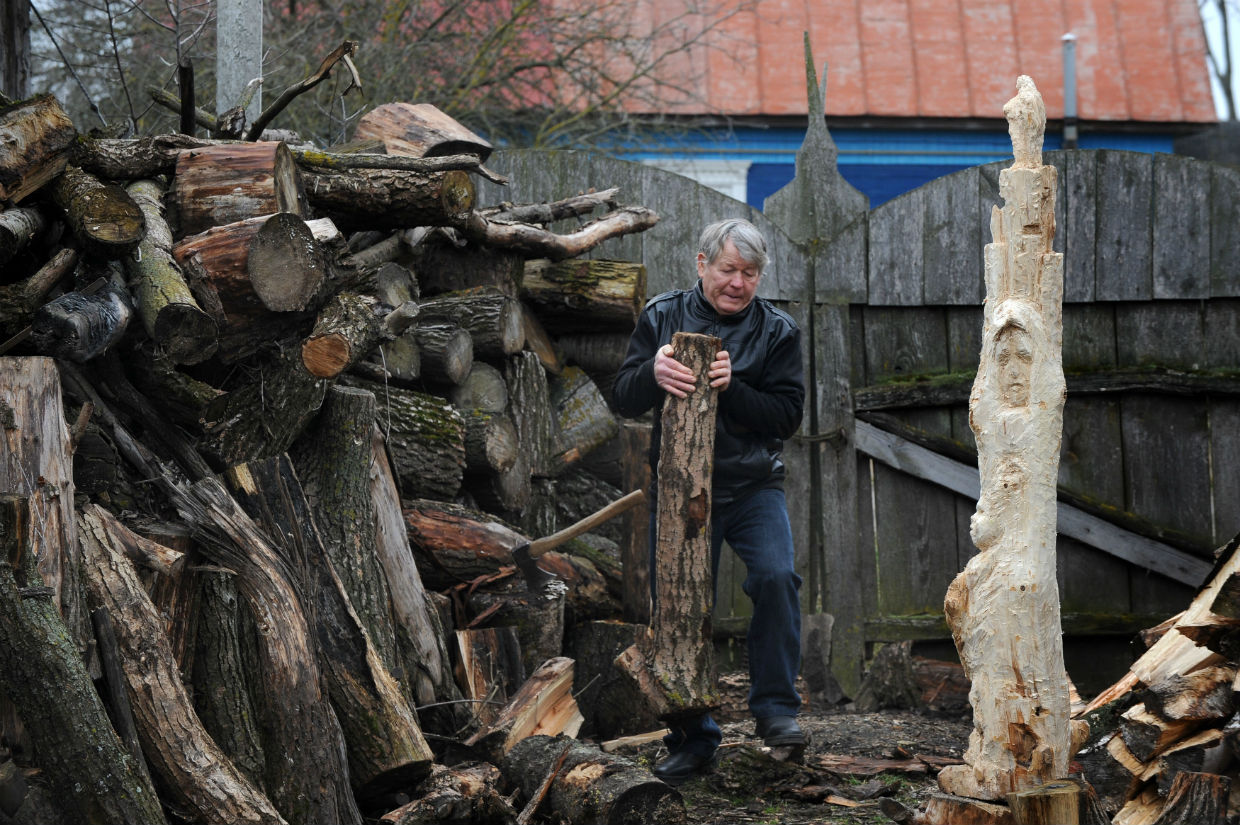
526	554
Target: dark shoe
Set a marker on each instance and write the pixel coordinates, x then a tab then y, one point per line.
780	730
681	767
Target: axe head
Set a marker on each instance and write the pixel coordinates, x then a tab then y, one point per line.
535	577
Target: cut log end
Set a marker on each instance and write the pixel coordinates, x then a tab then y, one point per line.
326	356
285	265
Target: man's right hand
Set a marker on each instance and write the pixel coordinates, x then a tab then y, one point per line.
672	376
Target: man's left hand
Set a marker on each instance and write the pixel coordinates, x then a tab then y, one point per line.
720	373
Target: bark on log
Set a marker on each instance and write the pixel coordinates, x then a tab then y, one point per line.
1199	798
346	331
101	216
454	544
133	159
79	327
19	301
1053	803
189	763
1023	735
482	390
386	749
544	213
585	295
398	361
446	352
592	786
635	548
944	809
389	198
679	653
445	267
419	632
1146	735
491	443
419	130
535	242
529	402
172	317
537	614
36	461
467	793
544	705
583	418
36	134
489	669
19	228
223	184
394	284
492	319
43	662
540	343
285	264
607	700
507	493
426	437
1201	695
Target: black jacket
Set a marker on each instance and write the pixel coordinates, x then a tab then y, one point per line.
763	402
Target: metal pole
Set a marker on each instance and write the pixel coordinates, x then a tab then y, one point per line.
238	54
1069	91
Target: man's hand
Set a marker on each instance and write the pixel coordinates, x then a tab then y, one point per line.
720	373
672	376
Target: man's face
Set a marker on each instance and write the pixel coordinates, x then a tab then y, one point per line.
729	282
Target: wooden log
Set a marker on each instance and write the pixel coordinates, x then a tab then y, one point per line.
19	301
592	786
445	267
1142	809
491	442
345	332
96	778
492	319
585	295
398	361
419	130
635	548
390	198
488	669
1052	803
1199	798
223	184
426	437
36	134
133	158
529	404
1023	735
535	242
583	419
1202	695
483	390
678	655
419	632
540	343
36	462
466	793
454	544
171	316
945	809
1199	752
19	227
101	216
544	213
1146	734
285	264
507	493
578	494
385	746
446	352
607	700
537	614
544	705
589	596
80	327
890	681
188	762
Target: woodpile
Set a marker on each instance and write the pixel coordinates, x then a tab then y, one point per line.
1166	736
276	423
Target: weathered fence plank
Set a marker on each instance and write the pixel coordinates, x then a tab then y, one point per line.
1225	468
1222	334
904	341
1079	227
916	543
1181	232
1123	255
896	262
1091	459
1224	231
1166	448
1160	334
952	241
1088	336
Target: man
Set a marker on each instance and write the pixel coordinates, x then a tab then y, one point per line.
761	394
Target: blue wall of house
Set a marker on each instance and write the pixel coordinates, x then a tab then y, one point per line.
881	163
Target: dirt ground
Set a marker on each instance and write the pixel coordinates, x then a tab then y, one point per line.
752	786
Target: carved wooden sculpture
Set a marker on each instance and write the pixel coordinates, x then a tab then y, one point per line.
1003	608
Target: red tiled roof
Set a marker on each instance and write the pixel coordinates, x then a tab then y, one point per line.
1136	60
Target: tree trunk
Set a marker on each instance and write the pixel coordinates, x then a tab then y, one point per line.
583	419
419	130
189	763
103	218
136	158
509	492
491	443
944	809
36	134
679	653
1022	733
444	267
492	319
172	317
544	705
535	242
592	786
97	779
223	184
529	401
426	437
36	461
446	352
346	331
585	295
18	229
390	198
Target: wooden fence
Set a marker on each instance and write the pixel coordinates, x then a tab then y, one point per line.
883	474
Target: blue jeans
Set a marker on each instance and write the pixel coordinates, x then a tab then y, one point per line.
756	527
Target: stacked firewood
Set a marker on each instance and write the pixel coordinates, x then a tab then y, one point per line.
319	401
1165	741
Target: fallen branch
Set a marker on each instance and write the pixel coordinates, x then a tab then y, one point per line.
536	242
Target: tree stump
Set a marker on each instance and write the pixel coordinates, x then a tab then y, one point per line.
1003	609
674	667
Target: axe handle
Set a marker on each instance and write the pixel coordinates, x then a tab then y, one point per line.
540	546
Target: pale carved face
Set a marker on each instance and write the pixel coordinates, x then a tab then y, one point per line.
729	282
1014	357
